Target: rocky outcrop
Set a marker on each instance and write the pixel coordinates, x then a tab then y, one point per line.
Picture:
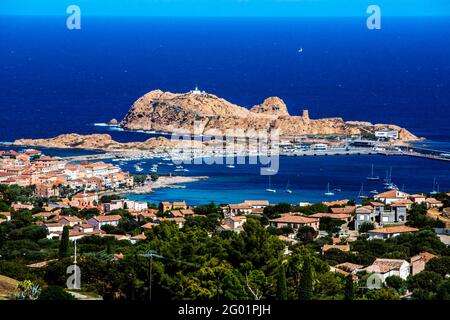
272	106
175	113
104	142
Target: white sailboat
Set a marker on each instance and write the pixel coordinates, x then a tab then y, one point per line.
434	192
361	192
287	188
269	189
372	177
329	193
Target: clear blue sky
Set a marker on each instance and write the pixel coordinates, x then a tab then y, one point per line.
227	7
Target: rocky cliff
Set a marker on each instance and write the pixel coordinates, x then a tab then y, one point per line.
171	112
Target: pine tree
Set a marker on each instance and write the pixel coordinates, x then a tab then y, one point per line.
306	281
349	288
64	244
281	284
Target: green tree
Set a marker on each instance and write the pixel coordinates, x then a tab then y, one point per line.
349	288
154	176
366	227
64	244
440	265
306	280
306	234
281	284
395	282
424	285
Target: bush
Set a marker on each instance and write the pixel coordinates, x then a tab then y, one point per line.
55	293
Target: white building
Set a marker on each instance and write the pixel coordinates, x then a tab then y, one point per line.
385	268
99	221
387	134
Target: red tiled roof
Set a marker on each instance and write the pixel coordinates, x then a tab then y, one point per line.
395	229
109	218
290	218
385	265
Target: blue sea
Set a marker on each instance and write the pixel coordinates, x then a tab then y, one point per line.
55	81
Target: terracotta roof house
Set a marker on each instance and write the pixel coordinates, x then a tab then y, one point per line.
346	210
390	232
348	266
385	268
419	261
99	221
341	247
433	203
418	198
148	225
390	196
6	214
295	221
70	220
338	216
257	203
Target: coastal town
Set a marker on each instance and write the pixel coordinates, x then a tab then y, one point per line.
381	248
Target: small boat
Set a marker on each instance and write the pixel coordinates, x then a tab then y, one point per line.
372	177
434	192
374	192
231	166
361	194
329	193
138	168
337	190
269	189
287	188
391	186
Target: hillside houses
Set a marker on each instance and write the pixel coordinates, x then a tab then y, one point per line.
295	222
48	174
244	208
379	214
390	232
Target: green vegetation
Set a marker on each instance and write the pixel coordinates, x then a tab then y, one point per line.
139	179
199	262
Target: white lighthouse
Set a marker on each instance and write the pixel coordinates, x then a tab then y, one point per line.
197	91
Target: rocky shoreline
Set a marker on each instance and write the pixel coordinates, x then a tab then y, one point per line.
162	182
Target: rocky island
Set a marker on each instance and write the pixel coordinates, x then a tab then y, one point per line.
174	112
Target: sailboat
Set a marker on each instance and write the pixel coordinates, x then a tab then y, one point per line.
269	189
434	192
372	177
361	192
389	185
287	188
329	193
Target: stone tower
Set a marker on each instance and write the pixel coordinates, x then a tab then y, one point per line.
306	114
